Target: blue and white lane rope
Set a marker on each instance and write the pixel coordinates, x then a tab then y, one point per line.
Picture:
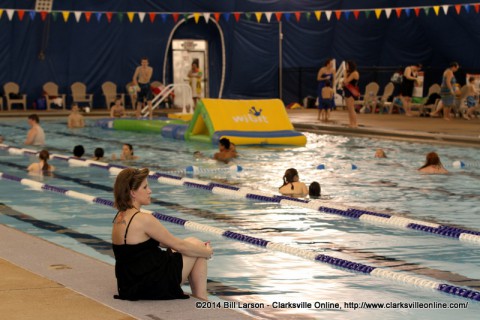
310	255
236	192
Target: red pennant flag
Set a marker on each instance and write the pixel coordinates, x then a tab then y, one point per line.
237	16
175	16
88	15
216	15
338	14
278	15
109	16
398	12
298	15
43	14
458	7
152	16
356	13
417	11
477	7
20	13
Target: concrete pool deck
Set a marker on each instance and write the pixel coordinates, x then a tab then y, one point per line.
44	281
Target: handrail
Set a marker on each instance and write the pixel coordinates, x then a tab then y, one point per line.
160	97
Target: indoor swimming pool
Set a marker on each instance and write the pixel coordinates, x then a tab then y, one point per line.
246	273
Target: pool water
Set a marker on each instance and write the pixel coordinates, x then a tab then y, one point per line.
245	273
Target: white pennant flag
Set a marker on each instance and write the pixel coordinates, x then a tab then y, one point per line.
388	12
445	9
10	13
206	16
328	14
268	15
78	15
141	16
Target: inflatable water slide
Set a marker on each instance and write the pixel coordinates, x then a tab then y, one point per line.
244	122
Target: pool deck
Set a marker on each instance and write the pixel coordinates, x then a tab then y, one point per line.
41	280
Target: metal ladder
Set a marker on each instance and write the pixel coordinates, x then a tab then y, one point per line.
187	99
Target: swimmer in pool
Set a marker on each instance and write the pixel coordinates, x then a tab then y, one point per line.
314	190
127	153
291	184
433	165
379	153
226	151
42	165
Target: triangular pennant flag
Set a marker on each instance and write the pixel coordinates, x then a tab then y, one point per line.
152	16
164	17
318	15
445	9
141	16
278	15
426	10
130	16
298	15
78	15
307	15
206	16
436	9
467	8
236	15
398	11
196	16
99	16
21	14
185	16
268	15
53	13
356	13
258	15
1	13
120	16
347	14
388	12
367	13
248	15
32	15
378	12
216	15
458	8
65	15
10	13
328	13
417	11
109	16
287	16
476	6
175	17
226	16
338	14
43	15
407	11
88	15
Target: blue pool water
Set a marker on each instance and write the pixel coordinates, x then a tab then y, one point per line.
245	273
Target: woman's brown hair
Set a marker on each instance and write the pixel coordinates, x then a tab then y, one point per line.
289	176
432	160
127	180
44	156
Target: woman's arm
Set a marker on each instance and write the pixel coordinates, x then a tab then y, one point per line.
320	73
154	229
353	76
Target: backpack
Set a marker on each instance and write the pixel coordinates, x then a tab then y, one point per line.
397	78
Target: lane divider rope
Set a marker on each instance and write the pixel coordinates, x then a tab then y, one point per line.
384	273
372	217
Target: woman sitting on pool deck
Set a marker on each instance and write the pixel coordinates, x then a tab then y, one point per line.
143	270
433	165
291	184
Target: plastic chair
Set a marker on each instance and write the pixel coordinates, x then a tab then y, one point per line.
110	92
434	88
13	88
370	97
80	95
387	93
51	94
132	94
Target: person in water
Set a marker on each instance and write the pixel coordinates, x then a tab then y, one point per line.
42	165
291	184
433	165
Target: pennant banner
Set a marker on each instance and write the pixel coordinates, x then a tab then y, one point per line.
400	13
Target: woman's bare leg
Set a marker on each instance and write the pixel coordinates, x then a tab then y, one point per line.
352	116
195	270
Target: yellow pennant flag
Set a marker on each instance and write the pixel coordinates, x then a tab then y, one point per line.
1	12
378	12
436	9
196	17
318	14
130	16
259	16
65	15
